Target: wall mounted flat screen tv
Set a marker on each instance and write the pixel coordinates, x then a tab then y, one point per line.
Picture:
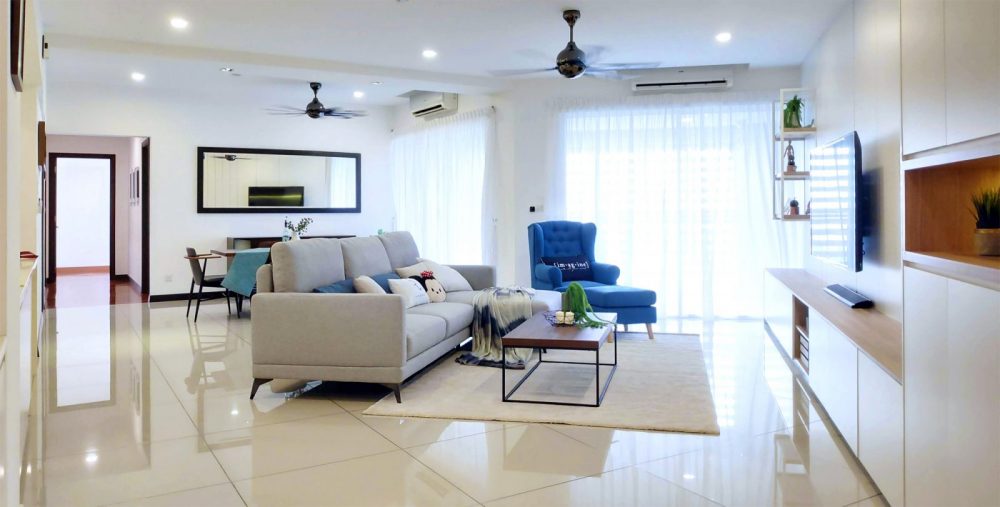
276	196
837	203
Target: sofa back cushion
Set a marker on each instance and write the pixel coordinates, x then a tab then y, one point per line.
364	257
301	266
401	248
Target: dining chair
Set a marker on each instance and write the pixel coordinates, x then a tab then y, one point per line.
199	278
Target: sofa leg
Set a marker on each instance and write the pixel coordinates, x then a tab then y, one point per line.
257	382
649	330
395	390
626	328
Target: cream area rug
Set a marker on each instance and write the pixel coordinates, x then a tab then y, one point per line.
660	384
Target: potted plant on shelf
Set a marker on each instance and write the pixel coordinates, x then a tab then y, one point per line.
793	113
299	229
986	204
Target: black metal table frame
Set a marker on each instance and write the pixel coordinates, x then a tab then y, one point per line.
599	392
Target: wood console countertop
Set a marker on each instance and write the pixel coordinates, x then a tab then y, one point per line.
876	334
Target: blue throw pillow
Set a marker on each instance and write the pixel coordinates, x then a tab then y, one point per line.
574	268
383	280
341	287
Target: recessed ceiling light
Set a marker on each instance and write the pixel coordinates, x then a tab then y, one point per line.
138	77
430	54
723	37
359	94
178	23
377	83
226	69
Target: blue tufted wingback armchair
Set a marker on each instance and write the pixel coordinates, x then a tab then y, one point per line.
560	238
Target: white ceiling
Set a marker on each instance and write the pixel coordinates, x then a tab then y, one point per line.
281	44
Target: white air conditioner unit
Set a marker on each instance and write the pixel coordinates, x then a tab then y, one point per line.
684	81
430	105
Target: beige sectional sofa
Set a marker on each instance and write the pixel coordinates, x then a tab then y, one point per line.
298	334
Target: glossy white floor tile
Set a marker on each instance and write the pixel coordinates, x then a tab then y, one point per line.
140	406
386	479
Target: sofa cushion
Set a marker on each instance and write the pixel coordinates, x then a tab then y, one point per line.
301	266
382	279
462	296
546	301
400	248
618	296
449	277
422	333
573	267
365	285
364	256
457	315
413	293
341	287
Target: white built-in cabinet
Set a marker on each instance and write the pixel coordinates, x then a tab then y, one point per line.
952	391
864	401
950	72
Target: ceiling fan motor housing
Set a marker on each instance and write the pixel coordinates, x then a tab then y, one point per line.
572	61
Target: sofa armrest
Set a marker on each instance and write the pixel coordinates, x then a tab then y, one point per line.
549	273
605	273
328	329
479	277
265	281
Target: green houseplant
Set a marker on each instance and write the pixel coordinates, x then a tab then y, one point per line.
575	300
793	113
986	211
299	229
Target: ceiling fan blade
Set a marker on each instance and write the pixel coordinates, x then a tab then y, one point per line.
593	52
627	66
604	74
285	110
519	72
343	113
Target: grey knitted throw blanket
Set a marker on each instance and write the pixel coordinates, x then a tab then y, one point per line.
496	312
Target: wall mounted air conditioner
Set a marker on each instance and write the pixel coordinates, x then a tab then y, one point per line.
683	81
428	105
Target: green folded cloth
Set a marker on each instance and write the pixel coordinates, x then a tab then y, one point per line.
242	275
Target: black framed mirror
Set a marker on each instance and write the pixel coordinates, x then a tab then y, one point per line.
251	180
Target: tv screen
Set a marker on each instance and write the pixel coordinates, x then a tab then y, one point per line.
836	210
276	196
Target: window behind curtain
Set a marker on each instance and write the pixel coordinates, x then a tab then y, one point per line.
680	192
439	172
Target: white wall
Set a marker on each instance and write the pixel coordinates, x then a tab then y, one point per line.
526	147
134	268
83	231
855	70
177	123
121	148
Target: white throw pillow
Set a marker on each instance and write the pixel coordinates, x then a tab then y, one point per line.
450	279
413	270
365	285
411	290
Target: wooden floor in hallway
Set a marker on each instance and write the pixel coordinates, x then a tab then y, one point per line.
92	286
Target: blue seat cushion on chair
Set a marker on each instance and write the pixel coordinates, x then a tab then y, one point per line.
585	283
618	296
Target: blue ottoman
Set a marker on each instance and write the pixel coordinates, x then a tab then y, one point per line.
633	306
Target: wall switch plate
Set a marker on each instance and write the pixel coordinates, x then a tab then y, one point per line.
535	208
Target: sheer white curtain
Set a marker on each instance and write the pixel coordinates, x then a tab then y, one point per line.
679	188
441	172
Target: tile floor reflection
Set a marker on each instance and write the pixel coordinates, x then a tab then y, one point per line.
136	405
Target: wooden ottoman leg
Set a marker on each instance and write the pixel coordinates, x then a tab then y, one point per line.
649	330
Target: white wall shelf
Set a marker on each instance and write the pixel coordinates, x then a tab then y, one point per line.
791	185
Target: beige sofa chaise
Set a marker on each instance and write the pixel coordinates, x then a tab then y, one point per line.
298	334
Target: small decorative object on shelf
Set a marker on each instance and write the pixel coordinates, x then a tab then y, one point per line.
986	204
793	207
809	206
793	113
790	157
299	229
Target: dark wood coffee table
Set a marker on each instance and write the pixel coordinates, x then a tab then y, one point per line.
537	333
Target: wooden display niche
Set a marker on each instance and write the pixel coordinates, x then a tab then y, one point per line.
939	226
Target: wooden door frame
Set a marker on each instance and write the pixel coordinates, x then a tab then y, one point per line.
50	220
144	199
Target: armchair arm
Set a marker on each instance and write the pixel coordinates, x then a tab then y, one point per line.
328	329
479	277
548	273
605	273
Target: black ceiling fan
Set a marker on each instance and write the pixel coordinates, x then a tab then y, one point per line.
571	62
231	157
315	109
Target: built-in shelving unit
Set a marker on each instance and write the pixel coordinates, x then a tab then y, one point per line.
939	229
791	185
